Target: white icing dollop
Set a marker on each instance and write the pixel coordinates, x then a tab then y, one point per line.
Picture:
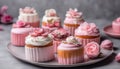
72	40
38	41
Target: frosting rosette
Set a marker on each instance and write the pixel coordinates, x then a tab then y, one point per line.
59	34
50	13
73	13
21	24
107	44
92	50
87	29
27	10
38	37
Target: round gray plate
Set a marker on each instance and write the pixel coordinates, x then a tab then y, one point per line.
19	53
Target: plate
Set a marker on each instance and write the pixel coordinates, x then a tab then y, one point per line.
108	30
19	53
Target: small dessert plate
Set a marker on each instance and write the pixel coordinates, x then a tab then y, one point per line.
19	53
108	30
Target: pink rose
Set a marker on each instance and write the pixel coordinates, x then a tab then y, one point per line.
107	44
6	18
4	9
21	23
117	58
92	50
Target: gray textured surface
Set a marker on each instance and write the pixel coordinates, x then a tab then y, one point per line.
97	11
9	62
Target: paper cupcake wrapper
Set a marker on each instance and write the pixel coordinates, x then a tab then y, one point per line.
18	39
70	56
56	44
39	54
85	41
70	29
35	24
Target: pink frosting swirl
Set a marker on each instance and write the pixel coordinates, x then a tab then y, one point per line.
117	57
21	24
39	32
27	10
59	34
107	44
51	13
53	23
117	20
87	29
92	50
73	13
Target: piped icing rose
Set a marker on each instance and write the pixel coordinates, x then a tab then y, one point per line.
27	10
73	17
92	50
87	29
59	34
51	18
107	44
38	38
117	20
21	24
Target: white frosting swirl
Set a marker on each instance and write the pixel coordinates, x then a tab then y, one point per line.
38	41
72	40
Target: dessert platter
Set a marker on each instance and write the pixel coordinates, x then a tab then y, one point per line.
77	43
113	30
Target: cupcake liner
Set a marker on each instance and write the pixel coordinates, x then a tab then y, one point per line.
67	57
18	39
70	29
35	24
56	44
85	41
38	54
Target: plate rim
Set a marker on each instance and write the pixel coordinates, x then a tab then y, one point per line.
54	66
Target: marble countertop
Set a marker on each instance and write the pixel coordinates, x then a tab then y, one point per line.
9	62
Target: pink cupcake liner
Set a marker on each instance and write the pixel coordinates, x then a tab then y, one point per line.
18	39
35	24
71	30
85	41
72	60
39	54
56	44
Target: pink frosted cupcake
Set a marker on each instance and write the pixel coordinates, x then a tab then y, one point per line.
18	33
116	25
51	21
70	52
29	16
72	21
39	46
87	32
58	36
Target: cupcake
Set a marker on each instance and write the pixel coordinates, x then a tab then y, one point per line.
116	25
92	50
18	33
87	32
58	36
29	16
73	20
51	21
107	44
39	46
70	51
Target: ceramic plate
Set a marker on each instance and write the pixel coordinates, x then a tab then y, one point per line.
19	53
108	30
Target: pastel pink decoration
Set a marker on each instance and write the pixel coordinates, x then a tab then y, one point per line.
39	54
4	9
107	44
116	25
117	57
92	50
6	18
27	10
50	13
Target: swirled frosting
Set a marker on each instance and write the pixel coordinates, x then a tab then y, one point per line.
38	38
73	16
51	18
87	29
117	20
59	34
27	10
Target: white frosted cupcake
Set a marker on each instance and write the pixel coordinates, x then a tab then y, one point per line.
29	16
51	21
39	46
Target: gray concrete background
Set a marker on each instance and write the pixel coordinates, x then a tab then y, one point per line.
101	12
